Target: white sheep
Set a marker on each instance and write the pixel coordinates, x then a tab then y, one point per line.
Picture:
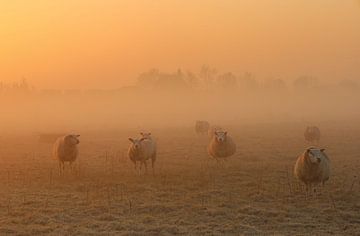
141	150
201	127
221	145
312	167
149	137
66	150
312	134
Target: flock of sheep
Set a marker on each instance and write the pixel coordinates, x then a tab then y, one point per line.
312	167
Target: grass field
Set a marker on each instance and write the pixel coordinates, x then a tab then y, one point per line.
254	193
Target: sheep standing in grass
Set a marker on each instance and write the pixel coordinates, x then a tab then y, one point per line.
66	150
201	127
312	134
153	148
141	150
312	167
212	130
221	145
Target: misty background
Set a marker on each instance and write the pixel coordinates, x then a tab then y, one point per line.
179	98
106	44
70	65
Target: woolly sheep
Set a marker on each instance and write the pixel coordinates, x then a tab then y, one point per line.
312	134
221	145
66	150
312	167
141	150
153	147
201	127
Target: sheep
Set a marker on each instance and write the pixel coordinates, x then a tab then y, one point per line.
312	134
153	147
212	130
312	167
201	127
65	150
141	150
221	145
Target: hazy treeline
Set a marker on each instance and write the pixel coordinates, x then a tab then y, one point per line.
179	98
207	79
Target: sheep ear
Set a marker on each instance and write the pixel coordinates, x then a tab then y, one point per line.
142	139
78	135
131	140
322	150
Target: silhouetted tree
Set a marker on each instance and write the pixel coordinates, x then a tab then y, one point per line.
227	81
191	79
247	81
171	81
207	74
149	79
305	82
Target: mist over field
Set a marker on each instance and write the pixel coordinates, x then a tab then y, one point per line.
158	117
168	100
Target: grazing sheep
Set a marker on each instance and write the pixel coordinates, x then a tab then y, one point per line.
201	127
312	134
312	167
66	150
141	150
221	145
212	130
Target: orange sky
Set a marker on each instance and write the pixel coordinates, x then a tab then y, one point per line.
107	43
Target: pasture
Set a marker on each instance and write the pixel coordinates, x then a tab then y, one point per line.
253	193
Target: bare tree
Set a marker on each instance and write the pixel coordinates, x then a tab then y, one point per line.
227	81
248	82
207	74
149	79
305	82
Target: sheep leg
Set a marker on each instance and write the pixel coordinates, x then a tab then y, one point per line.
221	163
135	166
61	168
307	191
153	166
141	163
146	170
311	190
71	166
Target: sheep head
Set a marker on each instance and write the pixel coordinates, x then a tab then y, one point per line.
146	135
313	155
220	136
72	139
136	143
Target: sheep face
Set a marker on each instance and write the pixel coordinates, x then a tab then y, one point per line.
136	143
72	139
146	135
314	155
220	136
